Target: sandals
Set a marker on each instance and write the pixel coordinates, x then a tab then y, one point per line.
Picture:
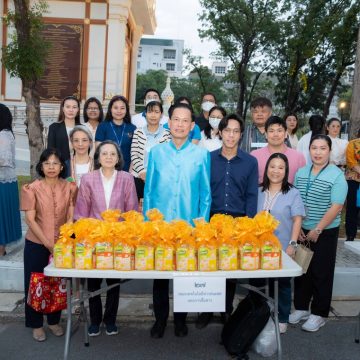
57	330
39	334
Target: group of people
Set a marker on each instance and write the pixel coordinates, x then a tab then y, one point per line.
187	167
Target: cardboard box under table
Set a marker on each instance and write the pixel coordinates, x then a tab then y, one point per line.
289	269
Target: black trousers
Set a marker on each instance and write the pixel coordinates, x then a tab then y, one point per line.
36	258
161	302
316	285
351	210
111	305
139	185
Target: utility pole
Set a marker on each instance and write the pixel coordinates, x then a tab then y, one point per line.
355	98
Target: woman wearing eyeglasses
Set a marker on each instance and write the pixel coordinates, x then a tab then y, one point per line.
48	203
108	187
93	115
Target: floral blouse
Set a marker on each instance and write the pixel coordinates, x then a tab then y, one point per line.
352	159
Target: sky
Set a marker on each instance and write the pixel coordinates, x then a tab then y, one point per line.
178	19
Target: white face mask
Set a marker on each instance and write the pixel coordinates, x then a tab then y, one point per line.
207	105
214	122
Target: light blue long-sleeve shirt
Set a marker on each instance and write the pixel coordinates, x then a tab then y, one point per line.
178	182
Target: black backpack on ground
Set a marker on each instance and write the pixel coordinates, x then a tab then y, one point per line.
245	324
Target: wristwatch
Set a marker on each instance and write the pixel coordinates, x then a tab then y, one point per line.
293	243
318	231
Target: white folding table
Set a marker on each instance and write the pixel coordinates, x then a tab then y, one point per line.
289	269
354	246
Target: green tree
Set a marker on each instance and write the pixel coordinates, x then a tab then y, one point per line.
24	57
317	44
245	31
152	79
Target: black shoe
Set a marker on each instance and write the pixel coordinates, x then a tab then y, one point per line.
158	329
350	239
203	320
181	330
224	317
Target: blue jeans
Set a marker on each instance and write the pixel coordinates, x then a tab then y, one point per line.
284	298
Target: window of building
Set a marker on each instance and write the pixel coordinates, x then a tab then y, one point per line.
170	67
140	52
219	69
169	54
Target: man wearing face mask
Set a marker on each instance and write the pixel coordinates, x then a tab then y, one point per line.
139	120
210	137
208	101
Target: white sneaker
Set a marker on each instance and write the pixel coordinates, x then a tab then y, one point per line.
314	323
298	315
283	328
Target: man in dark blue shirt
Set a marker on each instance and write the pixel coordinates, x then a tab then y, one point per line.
234	189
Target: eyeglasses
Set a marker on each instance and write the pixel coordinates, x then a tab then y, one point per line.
92	109
48	164
231	131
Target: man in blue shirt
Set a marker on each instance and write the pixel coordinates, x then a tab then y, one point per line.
234	188
178	184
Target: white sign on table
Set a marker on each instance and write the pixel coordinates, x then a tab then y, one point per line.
199	294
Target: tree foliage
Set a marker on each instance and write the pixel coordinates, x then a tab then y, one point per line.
24	57
305	45
244	31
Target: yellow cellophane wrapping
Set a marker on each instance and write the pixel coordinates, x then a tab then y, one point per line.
84	252
206	242
64	248
111	215
103	237
270	252
144	257
165	244
124	234
228	257
249	253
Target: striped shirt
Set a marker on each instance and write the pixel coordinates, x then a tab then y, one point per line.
319	192
141	144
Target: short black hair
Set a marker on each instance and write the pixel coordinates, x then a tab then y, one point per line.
274	120
153	104
260	102
45	155
181	106
181	99
328	123
225	122
86	105
320	137
208	93
151	90
297	122
317	124
119	165
285	185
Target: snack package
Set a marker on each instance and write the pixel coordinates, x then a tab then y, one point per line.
84	258
144	257
249	253
270	252
207	258
124	257
228	257
164	258
104	255
186	258
63	255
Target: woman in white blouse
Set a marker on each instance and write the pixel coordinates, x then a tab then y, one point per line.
143	140
338	146
81	161
292	124
210	137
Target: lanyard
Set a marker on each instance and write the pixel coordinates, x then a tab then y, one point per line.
122	134
310	183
